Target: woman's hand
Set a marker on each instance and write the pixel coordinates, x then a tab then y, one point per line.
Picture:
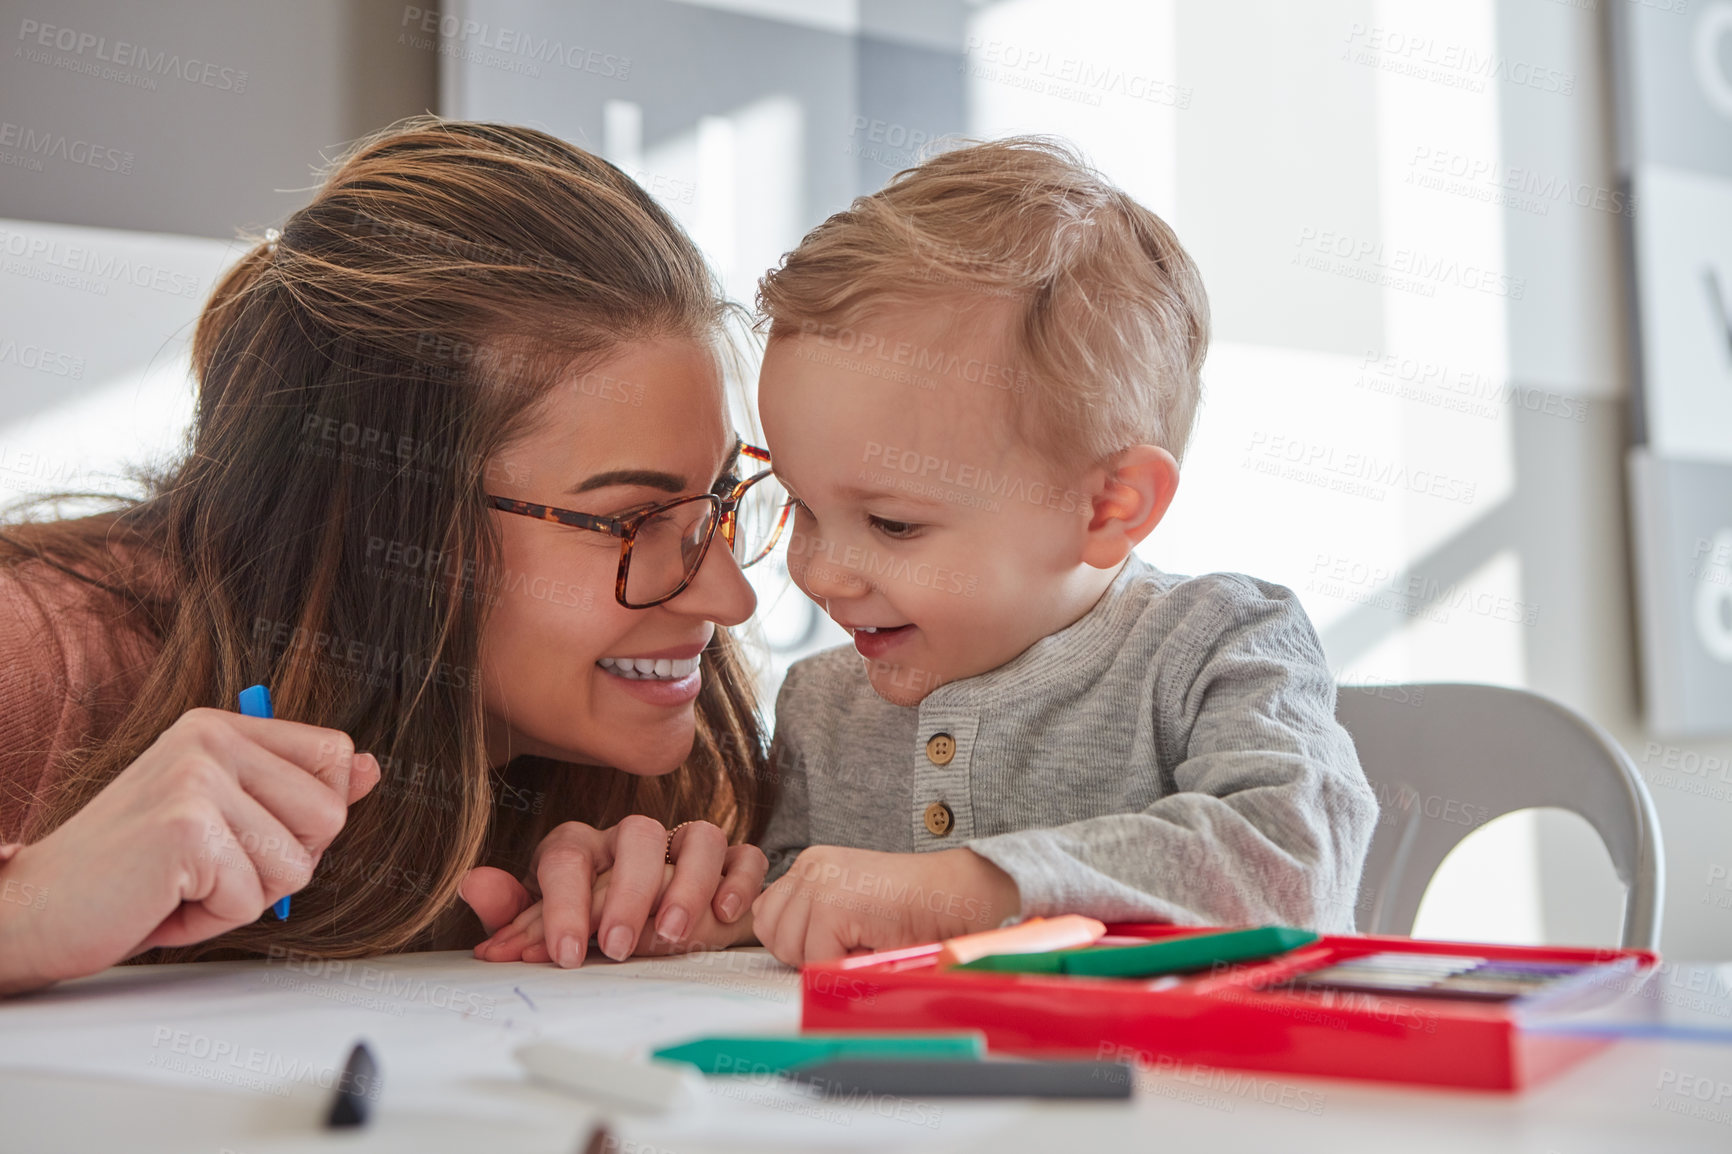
610	882
524	939
218	819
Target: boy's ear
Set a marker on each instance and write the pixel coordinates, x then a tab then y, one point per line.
1130	496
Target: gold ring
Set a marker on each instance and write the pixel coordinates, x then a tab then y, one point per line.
668	852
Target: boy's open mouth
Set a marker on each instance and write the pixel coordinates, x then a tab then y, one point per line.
874	640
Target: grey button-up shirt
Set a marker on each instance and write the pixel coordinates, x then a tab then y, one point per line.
1173	755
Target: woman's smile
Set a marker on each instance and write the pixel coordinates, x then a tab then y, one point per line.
667	677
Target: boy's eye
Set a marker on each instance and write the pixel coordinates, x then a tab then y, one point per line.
895	529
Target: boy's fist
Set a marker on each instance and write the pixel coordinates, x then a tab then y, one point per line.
834	901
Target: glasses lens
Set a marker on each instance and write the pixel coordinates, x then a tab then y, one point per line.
666	548
759	519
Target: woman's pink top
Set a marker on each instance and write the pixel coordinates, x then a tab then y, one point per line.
69	667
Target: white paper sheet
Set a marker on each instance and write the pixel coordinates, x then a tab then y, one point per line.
266	1041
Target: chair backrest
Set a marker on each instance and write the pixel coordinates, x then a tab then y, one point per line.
1447	758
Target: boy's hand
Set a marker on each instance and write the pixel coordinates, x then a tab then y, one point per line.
834	901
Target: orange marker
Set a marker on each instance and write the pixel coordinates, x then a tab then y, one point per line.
1034	936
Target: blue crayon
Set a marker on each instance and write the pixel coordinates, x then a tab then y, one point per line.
256	702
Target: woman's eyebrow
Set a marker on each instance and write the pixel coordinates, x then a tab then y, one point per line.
645	478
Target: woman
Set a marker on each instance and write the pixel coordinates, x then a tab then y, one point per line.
413	403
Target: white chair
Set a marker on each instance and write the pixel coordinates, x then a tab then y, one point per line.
1447	758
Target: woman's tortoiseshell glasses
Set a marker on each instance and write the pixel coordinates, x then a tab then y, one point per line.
663	546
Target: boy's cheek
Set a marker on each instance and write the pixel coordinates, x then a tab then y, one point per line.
796	570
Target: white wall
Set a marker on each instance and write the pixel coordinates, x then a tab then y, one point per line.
94	372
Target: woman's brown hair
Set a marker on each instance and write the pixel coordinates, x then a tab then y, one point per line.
358	376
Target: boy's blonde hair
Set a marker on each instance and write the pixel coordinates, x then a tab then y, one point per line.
1111	321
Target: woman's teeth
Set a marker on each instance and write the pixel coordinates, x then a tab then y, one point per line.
650	669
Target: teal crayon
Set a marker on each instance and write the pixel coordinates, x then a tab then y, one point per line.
777	1053
256	702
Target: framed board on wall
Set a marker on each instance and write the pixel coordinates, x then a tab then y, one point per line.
1673	72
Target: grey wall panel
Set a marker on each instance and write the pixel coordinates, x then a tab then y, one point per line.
204	116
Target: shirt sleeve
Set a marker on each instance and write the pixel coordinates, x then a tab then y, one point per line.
790	827
35	703
1270	816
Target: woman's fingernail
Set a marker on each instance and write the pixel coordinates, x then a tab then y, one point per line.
618	944
568	953
730	907
672	926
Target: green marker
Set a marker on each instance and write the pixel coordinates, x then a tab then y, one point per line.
1191	952
775	1054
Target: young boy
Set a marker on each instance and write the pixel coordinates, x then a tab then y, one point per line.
978	385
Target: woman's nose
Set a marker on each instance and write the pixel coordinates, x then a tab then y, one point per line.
719	591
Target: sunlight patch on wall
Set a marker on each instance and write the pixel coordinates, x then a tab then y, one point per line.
1101	73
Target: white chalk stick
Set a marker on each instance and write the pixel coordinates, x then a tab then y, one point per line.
647	1085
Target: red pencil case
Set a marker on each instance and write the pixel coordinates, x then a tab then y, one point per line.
1230	1018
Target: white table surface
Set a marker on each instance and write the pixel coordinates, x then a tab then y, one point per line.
238	1057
